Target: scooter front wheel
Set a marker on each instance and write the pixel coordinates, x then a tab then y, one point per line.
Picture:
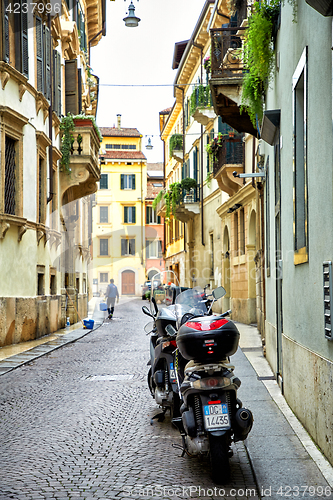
219	458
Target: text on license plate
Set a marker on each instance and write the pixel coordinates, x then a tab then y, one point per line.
216	416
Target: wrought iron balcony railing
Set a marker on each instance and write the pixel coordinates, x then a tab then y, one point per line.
201	98
230	153
191	196
227	52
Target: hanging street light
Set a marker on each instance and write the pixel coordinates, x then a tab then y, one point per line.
131	21
149	145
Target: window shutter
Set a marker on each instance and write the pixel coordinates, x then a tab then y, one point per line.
147	249
122	183
133	215
195	166
71	87
79	78
24	41
58	86
47	61
131	249
6	34
39	55
158	219
147	215
125	215
133	181
159	248
123	246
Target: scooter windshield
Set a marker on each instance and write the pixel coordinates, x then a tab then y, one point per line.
164	290
192	301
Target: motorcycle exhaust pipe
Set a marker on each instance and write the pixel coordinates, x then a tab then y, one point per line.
244	422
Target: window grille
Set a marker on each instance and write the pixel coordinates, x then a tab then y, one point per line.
10	176
40	190
328	299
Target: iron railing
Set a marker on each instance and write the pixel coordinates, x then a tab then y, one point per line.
201	98
232	152
10	181
227	52
190	196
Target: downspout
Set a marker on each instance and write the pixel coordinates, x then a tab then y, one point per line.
142	246
50	197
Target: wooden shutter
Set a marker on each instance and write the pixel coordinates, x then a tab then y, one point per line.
147	249
39	54
5	54
159	243
24	43
47	63
131	247
125	215
133	181
133	215
57	83
147	215
79	77
123	246
195	163
122	184
71	87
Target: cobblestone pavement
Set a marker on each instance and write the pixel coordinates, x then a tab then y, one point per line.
76	424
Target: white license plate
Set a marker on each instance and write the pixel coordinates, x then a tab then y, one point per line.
216	416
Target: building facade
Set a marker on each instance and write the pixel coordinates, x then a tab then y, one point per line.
44	204
119	212
154	224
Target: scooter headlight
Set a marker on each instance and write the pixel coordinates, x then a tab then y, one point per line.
211	383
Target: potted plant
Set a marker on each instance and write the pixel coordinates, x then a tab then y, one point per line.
175	143
188	183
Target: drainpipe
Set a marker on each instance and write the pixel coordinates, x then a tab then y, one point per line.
50	197
142	236
201	194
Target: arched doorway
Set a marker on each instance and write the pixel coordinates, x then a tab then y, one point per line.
128	282
152	273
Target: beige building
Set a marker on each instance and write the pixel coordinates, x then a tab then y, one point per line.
119	212
44	204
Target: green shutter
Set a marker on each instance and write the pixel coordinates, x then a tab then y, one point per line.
125	215
24	41
121	181
39	54
47	62
133	181
131	246
71	87
133	215
147	215
123	246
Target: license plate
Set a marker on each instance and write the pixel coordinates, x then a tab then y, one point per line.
172	373
216	416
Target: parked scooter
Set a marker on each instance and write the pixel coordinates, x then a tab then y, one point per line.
162	378
212	417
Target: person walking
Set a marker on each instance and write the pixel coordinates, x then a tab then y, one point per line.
111	295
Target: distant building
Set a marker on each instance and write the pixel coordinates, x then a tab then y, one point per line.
119	212
154	230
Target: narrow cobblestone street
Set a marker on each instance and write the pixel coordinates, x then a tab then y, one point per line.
76	424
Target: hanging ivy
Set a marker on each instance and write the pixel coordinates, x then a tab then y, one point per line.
258	57
67	139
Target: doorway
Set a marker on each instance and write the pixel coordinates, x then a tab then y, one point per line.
128	282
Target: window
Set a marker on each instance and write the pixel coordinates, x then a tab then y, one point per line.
211	241
157	184
53	281
268	220
104	214
128	246
153	249
40	280
43	43
300	160
15	35
236	241
103	183
127	181
104	246
129	215
120	146
10	168
41	191
151	217
103	277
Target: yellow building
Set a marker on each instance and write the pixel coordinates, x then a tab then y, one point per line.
118	215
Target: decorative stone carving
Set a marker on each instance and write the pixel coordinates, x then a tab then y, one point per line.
40	235
4	226
4	79
22	89
21	231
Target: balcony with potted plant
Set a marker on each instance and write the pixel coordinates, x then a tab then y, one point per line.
201	104
180	200
226	151
79	165
176	147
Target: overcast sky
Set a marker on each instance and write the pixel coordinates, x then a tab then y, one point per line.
141	56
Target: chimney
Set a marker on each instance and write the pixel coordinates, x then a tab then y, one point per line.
119	121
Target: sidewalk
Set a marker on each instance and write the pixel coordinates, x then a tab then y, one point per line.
285	461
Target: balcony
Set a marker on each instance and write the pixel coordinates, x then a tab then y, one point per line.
229	157
84	165
176	147
202	105
188	205
227	78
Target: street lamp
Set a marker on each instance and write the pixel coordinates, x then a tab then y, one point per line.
131	21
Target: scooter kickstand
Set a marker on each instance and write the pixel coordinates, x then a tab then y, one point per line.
160	417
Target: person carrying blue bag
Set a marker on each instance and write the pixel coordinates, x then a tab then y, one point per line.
111	295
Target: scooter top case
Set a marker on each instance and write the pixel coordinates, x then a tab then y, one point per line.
207	338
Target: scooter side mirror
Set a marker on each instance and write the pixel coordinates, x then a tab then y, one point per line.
149	327
146	311
153	301
219	292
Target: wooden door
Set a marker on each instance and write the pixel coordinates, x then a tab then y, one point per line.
128	283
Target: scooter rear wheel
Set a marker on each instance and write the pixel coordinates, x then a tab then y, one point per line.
219	458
